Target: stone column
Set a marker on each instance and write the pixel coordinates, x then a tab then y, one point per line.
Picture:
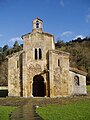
24	75
51	73
31	89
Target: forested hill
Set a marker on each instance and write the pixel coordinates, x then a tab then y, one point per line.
79	50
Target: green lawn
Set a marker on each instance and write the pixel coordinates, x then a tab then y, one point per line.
5	112
72	111
88	88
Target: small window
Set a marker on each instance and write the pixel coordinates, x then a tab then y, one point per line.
37	24
40	53
35	54
58	62
17	64
76	80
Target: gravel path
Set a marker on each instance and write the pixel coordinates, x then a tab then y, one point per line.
26	112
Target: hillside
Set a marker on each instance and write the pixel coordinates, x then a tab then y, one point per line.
79	50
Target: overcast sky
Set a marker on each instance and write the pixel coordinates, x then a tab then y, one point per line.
65	19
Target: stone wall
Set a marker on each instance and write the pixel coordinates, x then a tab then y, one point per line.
59	73
14	74
81	88
38	40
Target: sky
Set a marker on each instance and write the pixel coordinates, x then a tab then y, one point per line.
65	19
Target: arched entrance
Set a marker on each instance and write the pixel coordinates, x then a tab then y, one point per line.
38	86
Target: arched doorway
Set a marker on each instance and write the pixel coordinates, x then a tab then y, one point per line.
38	86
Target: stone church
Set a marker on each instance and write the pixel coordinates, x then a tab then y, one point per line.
39	70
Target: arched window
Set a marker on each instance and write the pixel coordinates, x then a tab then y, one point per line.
37	24
35	54
76	80
40	53
58	62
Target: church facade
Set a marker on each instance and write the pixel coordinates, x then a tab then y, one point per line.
39	70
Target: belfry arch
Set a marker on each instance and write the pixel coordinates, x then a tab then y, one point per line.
38	86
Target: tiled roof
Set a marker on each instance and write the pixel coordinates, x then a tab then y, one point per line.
77	71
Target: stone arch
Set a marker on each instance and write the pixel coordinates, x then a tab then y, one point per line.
38	86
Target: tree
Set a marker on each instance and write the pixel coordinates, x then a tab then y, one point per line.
5	48
16	47
15	44
60	43
1	49
4	73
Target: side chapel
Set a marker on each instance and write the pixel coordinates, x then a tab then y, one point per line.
39	70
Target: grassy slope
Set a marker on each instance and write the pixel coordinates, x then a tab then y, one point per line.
5	112
73	111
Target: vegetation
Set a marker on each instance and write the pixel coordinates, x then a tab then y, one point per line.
88	88
5	50
79	50
5	112
77	111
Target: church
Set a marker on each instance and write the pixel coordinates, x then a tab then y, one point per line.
40	70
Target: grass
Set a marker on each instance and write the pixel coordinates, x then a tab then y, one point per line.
5	112
79	109
73	111
88	88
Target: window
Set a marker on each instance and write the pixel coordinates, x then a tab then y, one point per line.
58	62
40	53
35	54
76	80
37	24
17	64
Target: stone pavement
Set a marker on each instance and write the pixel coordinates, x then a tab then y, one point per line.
26	112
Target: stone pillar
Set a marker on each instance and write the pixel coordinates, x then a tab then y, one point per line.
24	75
31	89
51	74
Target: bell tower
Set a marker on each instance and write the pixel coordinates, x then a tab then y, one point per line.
37	25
